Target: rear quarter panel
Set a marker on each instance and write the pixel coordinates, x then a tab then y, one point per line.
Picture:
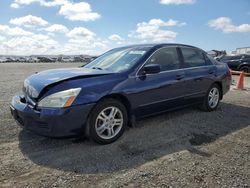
223	76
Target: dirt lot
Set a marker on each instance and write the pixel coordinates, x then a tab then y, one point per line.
185	148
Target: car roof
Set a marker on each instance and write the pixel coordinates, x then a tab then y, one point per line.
159	45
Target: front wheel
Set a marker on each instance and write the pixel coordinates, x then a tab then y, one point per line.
212	98
107	121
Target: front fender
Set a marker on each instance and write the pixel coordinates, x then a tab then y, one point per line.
93	89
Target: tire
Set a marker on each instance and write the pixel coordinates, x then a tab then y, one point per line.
245	69
103	127
214	91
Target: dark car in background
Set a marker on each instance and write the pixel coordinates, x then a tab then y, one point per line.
237	62
101	98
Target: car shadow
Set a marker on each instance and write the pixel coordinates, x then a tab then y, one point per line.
152	138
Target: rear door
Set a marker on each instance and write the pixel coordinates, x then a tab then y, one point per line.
199	72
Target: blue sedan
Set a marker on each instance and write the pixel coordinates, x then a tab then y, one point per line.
124	84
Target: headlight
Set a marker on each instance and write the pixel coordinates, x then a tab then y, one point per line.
60	99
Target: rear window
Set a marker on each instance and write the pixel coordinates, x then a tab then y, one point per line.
193	57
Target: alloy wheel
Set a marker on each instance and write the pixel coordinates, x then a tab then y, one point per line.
109	122
213	97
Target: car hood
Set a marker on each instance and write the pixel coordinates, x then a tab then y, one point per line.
35	83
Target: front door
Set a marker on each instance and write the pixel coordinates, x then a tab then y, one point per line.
161	91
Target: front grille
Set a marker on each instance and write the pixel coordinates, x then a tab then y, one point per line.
42	125
33	124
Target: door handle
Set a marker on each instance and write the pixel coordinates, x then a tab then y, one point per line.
180	76
211	71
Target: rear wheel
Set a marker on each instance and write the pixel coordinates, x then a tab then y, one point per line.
245	69
212	98
107	121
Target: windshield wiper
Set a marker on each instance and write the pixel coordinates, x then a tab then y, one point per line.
99	68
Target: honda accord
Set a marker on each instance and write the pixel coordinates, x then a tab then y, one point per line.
124	84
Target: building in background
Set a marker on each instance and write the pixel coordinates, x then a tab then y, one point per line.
243	50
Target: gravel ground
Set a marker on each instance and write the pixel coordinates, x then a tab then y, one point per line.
185	148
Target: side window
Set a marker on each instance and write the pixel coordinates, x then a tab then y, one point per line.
167	58
193	57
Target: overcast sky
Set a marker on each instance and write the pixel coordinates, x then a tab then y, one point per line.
95	26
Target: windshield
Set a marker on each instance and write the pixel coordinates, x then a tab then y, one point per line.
118	60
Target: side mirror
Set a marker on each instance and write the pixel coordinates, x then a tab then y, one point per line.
152	69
